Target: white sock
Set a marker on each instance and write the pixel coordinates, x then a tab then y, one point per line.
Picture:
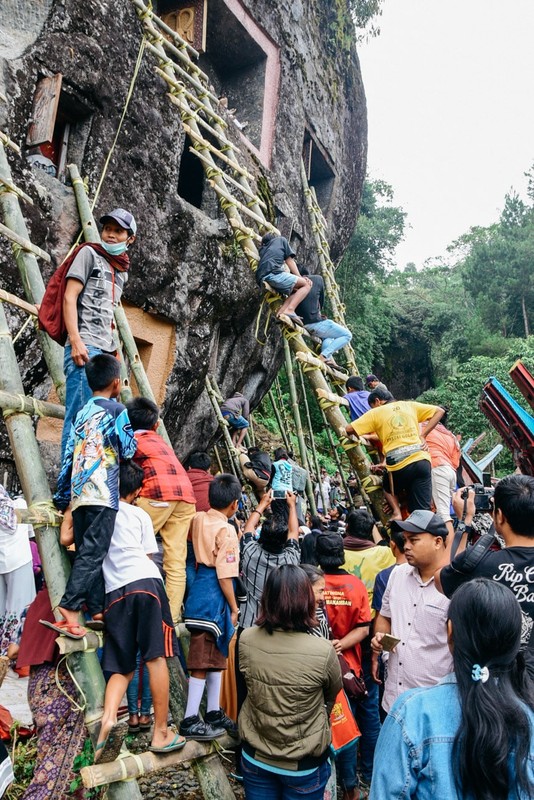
213	684
194	696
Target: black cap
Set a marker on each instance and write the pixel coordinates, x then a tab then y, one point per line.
422	522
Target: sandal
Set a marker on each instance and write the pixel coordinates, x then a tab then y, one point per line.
69	629
109	749
176	744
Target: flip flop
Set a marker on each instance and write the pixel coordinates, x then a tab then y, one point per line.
64	628
95	625
177	743
109	749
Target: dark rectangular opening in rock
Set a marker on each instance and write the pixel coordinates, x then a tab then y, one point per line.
319	170
59	127
236	65
191	176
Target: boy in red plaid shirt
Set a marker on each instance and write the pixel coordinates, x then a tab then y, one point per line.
166	495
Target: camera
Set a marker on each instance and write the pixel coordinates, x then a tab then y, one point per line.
483	494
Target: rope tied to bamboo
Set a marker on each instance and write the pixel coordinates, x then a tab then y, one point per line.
9	412
74	705
48	513
267	321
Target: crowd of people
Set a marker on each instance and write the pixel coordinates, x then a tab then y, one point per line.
404	658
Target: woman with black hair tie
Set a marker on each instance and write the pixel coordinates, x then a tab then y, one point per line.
472	735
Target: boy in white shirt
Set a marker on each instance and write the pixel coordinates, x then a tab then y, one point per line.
137	617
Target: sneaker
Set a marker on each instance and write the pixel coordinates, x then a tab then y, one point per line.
220	720
195	728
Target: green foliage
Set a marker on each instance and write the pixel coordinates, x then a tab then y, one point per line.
23	755
84	759
349	21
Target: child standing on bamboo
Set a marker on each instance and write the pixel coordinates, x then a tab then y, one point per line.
138	618
88	484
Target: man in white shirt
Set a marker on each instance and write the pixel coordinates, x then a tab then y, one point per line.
414	611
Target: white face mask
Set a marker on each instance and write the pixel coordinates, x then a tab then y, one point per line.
115	249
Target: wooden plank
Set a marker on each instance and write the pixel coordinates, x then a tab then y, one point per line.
44	112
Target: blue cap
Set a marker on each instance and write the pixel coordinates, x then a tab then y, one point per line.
123	217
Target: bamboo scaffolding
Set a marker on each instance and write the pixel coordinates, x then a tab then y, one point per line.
84	666
180	88
165	61
147	13
281	427
143	12
327	270
218	458
30	274
204	144
9	186
243	236
336	458
134	766
228	178
216	398
229	198
11	403
16	301
191	114
312	439
298	423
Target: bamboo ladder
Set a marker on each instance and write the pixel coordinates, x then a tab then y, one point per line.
190	92
207	766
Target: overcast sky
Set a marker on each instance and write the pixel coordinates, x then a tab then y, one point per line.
450	87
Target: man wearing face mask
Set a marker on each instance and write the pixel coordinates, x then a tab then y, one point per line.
94	284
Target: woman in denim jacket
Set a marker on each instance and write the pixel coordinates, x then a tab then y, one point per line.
472	735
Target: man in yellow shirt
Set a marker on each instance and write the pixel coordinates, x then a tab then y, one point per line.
396	423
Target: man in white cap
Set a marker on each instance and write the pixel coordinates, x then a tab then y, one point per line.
94	283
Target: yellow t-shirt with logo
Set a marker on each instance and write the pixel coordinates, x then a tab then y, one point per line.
397	425
366	564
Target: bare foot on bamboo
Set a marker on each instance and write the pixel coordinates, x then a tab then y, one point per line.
162	739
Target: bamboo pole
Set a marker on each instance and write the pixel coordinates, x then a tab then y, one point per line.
312	440
148	14
13	300
134	766
30	273
336	457
281	426
288	421
91	234
218	457
211	171
4	138
181	89
85	666
298	423
214	395
330	284
26	245
9	186
30	405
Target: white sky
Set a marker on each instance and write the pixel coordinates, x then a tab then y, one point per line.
450	87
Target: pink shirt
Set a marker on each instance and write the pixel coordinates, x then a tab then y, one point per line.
418	614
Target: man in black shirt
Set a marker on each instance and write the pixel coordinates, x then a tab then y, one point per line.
513	516
276	258
333	335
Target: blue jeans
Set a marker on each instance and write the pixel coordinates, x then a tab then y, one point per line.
261	784
77	391
334	336
132	693
366	713
346	766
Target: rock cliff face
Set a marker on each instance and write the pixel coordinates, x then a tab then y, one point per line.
185	268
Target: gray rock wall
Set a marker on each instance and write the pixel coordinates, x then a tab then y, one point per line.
184	267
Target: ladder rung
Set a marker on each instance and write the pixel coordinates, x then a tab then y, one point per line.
162	56
208	146
7	141
25	244
3	98
246	192
243	208
147	13
16	301
176	51
198	119
181	88
10	186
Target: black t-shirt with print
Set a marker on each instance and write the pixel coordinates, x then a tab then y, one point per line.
512	566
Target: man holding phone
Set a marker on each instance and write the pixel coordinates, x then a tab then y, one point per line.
414	612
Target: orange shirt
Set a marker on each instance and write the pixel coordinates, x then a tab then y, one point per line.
347	606
443	447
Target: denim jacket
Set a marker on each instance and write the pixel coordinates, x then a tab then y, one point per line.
413	753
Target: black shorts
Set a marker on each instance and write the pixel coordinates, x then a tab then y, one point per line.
137	617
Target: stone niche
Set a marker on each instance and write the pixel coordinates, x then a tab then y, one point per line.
191	297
